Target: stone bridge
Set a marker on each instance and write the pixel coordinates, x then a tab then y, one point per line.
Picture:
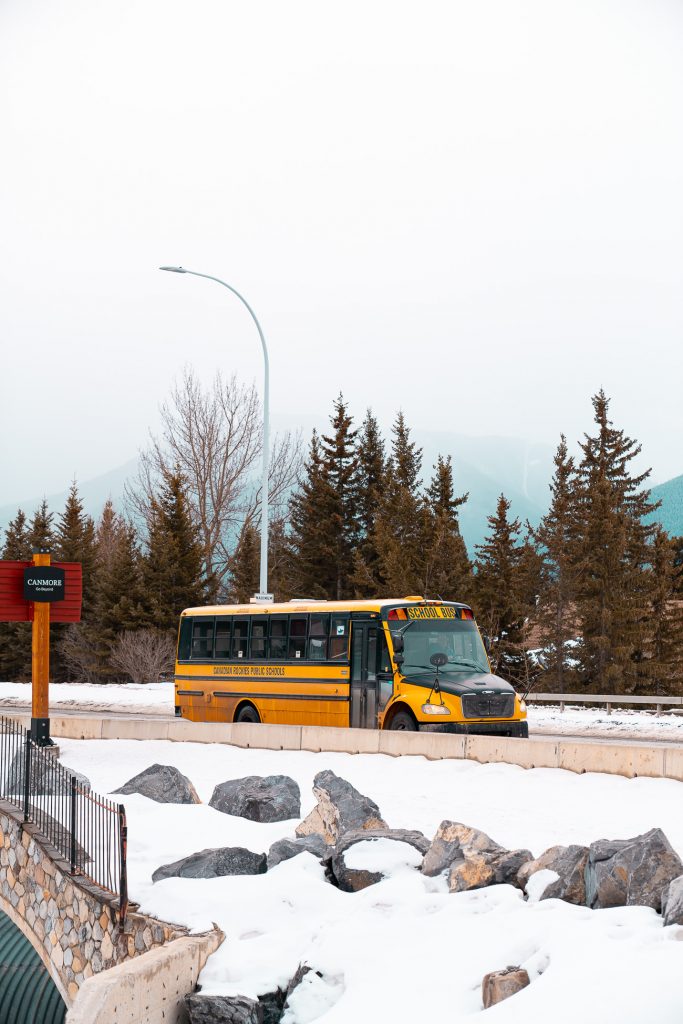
71	924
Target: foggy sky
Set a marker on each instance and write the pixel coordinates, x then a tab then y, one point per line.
470	210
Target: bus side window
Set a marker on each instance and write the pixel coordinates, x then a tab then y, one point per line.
317	637
202	639
298	625
278	638
223	634
185	639
384	662
259	632
240	636
339	638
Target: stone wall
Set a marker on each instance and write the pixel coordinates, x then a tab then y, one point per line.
72	924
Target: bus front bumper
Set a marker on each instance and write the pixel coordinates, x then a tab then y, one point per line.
520	729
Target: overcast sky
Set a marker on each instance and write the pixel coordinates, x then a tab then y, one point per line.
470	209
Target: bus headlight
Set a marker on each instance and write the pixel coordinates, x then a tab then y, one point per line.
435	709
522	706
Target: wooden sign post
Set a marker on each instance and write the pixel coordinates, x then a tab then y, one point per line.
40	657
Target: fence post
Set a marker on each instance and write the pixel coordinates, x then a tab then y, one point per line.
123	879
73	824
27	775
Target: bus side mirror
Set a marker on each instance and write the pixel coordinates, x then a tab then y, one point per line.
397	640
487	644
398	660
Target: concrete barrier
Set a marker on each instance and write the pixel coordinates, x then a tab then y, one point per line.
432	745
346	741
150	989
529	753
627	759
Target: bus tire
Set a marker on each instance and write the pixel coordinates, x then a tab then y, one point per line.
248	713
403	721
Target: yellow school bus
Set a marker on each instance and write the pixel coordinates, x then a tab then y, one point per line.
404	664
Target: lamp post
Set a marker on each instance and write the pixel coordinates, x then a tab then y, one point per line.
263	595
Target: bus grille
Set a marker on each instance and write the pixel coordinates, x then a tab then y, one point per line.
475	705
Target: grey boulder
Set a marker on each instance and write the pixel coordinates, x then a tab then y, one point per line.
258	798
354	879
569	862
673	902
223	1009
631	872
162	783
48	777
227	860
285	849
340	808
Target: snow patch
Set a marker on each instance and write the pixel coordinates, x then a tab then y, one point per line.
539	882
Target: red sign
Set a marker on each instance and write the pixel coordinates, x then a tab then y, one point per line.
15	608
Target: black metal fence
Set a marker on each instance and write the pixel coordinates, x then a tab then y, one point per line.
87	830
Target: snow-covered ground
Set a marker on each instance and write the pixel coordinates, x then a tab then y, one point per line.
117	697
405	949
157	698
595	722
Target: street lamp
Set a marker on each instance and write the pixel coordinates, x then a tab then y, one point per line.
263	594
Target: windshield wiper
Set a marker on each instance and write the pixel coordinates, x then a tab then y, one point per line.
467	664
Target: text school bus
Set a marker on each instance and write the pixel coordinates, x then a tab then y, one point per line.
394	664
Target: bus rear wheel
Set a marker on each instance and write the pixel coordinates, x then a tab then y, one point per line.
248	713
403	721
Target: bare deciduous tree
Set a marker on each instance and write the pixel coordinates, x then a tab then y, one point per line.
145	655
214	437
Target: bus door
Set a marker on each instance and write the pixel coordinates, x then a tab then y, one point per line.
371	674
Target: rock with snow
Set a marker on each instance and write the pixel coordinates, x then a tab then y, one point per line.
285	849
539	883
259	798
162	783
672	902
354	875
340	808
569	863
450	842
226	860
223	1009
499	985
631	872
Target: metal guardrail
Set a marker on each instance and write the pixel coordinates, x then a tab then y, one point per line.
609	700
87	830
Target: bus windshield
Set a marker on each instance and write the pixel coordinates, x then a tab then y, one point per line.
458	639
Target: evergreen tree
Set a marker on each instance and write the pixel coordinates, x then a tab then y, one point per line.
558	538
403	522
120	604
314	563
40	531
245	565
15	637
665	646
615	585
280	561
172	567
340	516
74	541
371	480
108	532
17	546
450	570
500	602
678	561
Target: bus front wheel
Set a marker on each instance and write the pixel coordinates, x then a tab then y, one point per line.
248	713
403	721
